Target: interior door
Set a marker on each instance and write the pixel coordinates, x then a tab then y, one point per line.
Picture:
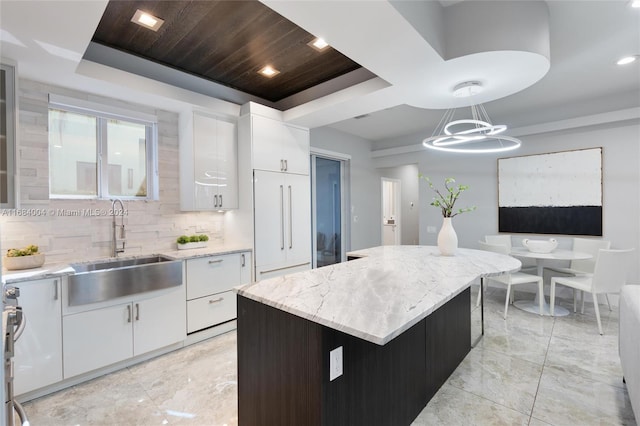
328	210
269	219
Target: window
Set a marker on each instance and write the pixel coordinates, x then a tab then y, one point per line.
97	152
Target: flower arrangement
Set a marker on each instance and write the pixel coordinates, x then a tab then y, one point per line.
447	201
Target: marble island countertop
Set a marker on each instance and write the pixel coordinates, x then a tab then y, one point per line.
57	269
382	294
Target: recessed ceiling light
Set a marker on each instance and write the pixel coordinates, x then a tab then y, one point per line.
467	89
635	3
147	20
319	44
269	71
627	60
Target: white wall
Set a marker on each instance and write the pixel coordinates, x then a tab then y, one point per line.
365	194
409	200
621	180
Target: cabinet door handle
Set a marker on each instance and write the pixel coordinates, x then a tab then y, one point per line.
281	217
290	220
282	165
215	261
220	201
219	299
215	201
243	260
137	312
286	165
55	289
128	313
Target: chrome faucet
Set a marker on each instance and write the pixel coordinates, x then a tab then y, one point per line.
114	242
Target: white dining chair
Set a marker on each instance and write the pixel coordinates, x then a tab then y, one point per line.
528	265
583	266
609	275
514	278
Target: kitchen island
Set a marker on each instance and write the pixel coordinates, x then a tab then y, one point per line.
400	314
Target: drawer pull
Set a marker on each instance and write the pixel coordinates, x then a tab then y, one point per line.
215	261
219	299
285	267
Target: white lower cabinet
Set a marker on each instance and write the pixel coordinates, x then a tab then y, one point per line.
210	280
210	310
38	351
157	322
97	338
104	336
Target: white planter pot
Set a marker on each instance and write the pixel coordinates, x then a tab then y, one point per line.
23	262
188	246
447	238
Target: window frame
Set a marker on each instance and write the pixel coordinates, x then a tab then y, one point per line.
103	114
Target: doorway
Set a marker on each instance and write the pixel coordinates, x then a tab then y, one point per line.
391	214
328	203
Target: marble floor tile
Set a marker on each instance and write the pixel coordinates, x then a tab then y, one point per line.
593	357
536	422
453	406
567	399
111	399
501	378
518	342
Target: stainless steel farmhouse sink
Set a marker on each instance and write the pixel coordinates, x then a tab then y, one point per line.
105	280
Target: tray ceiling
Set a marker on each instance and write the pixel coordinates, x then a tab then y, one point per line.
226	42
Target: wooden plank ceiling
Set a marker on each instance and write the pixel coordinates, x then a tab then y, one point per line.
224	41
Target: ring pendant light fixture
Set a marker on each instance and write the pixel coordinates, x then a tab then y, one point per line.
475	135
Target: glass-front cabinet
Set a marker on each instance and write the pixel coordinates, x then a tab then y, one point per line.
7	135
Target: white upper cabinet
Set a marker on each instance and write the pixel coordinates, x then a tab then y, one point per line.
279	147
208	163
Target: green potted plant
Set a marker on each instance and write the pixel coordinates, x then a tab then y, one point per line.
186	242
445	201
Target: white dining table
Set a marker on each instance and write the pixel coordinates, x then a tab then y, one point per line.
542	259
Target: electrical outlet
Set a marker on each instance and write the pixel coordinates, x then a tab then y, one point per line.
335	363
431	229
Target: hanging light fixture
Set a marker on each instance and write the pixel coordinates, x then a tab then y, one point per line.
476	135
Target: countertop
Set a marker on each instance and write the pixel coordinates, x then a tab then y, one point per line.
53	270
383	293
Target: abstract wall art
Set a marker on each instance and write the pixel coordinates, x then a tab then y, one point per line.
554	193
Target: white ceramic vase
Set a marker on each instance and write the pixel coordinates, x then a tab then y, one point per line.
447	238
